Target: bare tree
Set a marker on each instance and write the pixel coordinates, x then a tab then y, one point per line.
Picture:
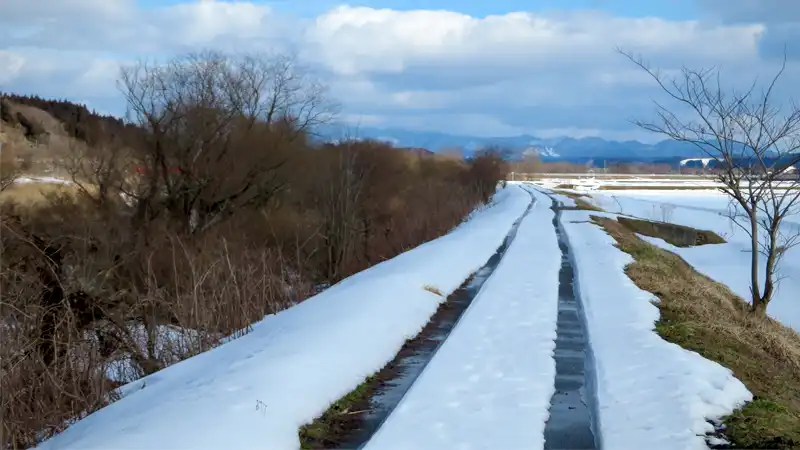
486	168
339	197
8	164
99	172
8	170
755	143
218	129
531	163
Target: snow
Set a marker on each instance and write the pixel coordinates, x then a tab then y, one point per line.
593	183
727	263
171	344
52	180
650	393
703	161
256	391
490	384
565	201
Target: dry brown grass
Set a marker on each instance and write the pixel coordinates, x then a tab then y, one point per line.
34	193
702	315
51	125
677	235
433	290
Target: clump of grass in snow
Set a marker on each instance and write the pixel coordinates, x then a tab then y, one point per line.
433	290
704	316
324	430
677	235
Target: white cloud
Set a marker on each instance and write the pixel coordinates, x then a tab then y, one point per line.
352	40
503	74
11	63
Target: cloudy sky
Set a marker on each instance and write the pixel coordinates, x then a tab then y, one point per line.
489	67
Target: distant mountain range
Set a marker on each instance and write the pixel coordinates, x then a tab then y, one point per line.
554	149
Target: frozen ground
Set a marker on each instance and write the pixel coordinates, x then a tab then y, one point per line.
650	393
256	391
489	385
727	263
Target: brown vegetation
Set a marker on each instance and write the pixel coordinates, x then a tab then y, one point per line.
677	235
210	212
704	316
532	167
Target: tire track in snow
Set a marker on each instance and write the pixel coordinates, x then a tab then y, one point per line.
417	353
572	422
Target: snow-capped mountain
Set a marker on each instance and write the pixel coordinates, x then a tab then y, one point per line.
515	147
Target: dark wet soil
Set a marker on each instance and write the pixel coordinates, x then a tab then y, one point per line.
571	408
352	426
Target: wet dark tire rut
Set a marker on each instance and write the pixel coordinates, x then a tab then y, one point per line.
352	428
572	421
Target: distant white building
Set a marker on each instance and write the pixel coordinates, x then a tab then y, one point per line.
704	161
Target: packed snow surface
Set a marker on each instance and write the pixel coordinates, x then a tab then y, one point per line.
490	384
727	263
258	390
651	394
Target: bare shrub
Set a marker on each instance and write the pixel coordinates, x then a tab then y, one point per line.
755	142
9	168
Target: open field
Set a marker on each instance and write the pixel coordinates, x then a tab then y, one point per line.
612	176
668	184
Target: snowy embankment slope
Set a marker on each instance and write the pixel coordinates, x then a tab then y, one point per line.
489	385
727	263
256	391
650	393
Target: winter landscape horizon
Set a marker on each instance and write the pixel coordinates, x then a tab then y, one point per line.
263	224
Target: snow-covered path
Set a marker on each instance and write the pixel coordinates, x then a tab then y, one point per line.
650	393
489	385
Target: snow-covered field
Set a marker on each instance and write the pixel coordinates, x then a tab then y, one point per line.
727	263
591	183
